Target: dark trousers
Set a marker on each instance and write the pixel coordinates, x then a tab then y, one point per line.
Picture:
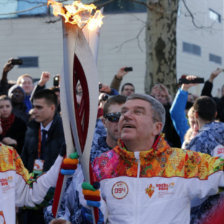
28	216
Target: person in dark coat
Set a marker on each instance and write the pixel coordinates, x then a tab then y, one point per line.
17	96
13	127
43	141
54	141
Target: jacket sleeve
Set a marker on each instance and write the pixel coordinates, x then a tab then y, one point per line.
29	192
114	92
116	83
207	89
177	113
35	89
209	176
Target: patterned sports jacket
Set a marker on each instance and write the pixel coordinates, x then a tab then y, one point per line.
154	186
17	188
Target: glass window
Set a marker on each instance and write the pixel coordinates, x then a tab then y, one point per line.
215	16
29	62
191	48
33	7
215	58
119	6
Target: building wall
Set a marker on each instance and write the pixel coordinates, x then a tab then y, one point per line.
121	43
31	37
118	46
208	35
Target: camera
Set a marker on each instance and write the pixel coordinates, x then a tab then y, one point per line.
56	81
16	61
183	80
100	86
128	69
105	97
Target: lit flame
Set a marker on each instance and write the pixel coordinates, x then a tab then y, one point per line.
78	14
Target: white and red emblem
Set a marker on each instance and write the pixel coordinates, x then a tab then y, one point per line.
120	190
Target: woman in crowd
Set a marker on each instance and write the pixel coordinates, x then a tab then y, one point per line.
161	93
13	127
185	126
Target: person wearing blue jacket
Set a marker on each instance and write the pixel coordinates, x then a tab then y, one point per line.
178	111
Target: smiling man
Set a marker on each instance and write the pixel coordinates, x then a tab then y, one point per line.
143	179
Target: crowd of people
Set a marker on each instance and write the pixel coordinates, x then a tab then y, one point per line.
154	159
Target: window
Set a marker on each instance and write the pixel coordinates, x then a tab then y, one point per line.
191	48
215	16
32	7
119	6
29	62
215	58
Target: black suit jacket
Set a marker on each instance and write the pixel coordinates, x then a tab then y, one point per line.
54	142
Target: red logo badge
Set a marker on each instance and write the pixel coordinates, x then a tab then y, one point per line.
120	190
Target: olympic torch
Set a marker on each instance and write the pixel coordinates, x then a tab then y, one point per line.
79	68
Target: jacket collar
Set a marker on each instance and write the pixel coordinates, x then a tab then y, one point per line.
159	146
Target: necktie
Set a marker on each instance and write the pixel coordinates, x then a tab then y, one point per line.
43	142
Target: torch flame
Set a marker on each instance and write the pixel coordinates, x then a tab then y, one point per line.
78	13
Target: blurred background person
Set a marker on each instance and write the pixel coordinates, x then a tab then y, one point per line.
160	92
182	113
127	89
13	128
17	96
26	82
56	91
4	83
117	79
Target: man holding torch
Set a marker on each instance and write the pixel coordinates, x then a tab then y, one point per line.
143	179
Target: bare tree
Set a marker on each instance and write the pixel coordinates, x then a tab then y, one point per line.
161	44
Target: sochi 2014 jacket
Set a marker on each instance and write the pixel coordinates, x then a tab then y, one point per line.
154	186
16	187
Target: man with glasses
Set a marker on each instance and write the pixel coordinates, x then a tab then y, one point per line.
111	115
71	206
143	179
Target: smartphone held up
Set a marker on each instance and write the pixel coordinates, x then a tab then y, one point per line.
128	69
184	80
16	61
56	81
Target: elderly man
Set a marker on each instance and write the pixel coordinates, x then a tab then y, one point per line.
71	210
143	179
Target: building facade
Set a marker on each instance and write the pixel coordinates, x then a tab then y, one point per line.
37	39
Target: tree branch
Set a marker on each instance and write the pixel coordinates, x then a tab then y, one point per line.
101	4
118	47
21	11
193	19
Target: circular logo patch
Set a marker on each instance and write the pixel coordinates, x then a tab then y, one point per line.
120	190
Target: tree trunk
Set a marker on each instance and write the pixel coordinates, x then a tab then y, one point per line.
161	44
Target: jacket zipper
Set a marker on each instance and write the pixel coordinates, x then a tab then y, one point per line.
137	188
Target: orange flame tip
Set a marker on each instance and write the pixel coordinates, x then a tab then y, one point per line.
78	13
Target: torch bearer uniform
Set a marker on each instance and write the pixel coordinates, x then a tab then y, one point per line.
154	186
16	186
